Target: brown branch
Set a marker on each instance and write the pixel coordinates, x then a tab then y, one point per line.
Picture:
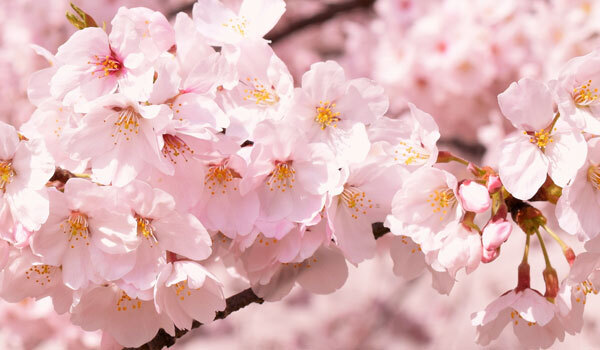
61	175
328	12
234	303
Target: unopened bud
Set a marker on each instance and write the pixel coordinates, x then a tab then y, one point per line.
474	196
551	279
493	183
487	256
495	233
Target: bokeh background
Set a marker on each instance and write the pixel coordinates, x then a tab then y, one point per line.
449	57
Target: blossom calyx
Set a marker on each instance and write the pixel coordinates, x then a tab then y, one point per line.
551	280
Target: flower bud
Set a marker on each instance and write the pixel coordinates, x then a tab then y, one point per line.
495	233
474	196
493	183
488	256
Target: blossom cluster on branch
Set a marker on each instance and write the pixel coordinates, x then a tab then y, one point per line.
160	150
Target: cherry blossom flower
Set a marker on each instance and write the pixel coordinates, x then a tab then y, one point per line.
532	316
290	176
221	24
544	146
93	65
186	291
578	201
409	141
424	206
120	137
25	167
360	202
330	109
160	228
86	234
132	321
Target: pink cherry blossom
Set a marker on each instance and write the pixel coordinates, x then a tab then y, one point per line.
186	291
221	24
543	146
25	167
86	234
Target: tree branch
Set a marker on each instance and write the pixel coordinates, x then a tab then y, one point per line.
328	12
234	303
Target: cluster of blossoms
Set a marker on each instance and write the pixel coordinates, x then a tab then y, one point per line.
160	150
452	57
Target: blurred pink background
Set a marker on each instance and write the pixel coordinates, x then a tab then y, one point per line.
450	58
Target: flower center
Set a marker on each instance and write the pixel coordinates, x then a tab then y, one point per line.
259	93
593	176
282	176
127	124
126	302
585	288
540	138
6	174
585	95
237	24
441	201
182	290
106	65
515	316
175	147
145	229
410	153
326	115
218	177
76	227
41	274
356	200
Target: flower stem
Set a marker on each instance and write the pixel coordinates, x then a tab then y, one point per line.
543	245
567	251
526	252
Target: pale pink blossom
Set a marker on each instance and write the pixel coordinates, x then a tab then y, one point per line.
121	138
25	167
333	110
186	291
531	315
291	176
221	24
542	146
160	229
131	320
579	201
87	233
409	141
424	206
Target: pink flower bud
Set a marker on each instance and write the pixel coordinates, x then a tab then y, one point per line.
488	256
493	183
495	233
474	197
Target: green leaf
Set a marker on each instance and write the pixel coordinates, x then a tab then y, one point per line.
80	19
